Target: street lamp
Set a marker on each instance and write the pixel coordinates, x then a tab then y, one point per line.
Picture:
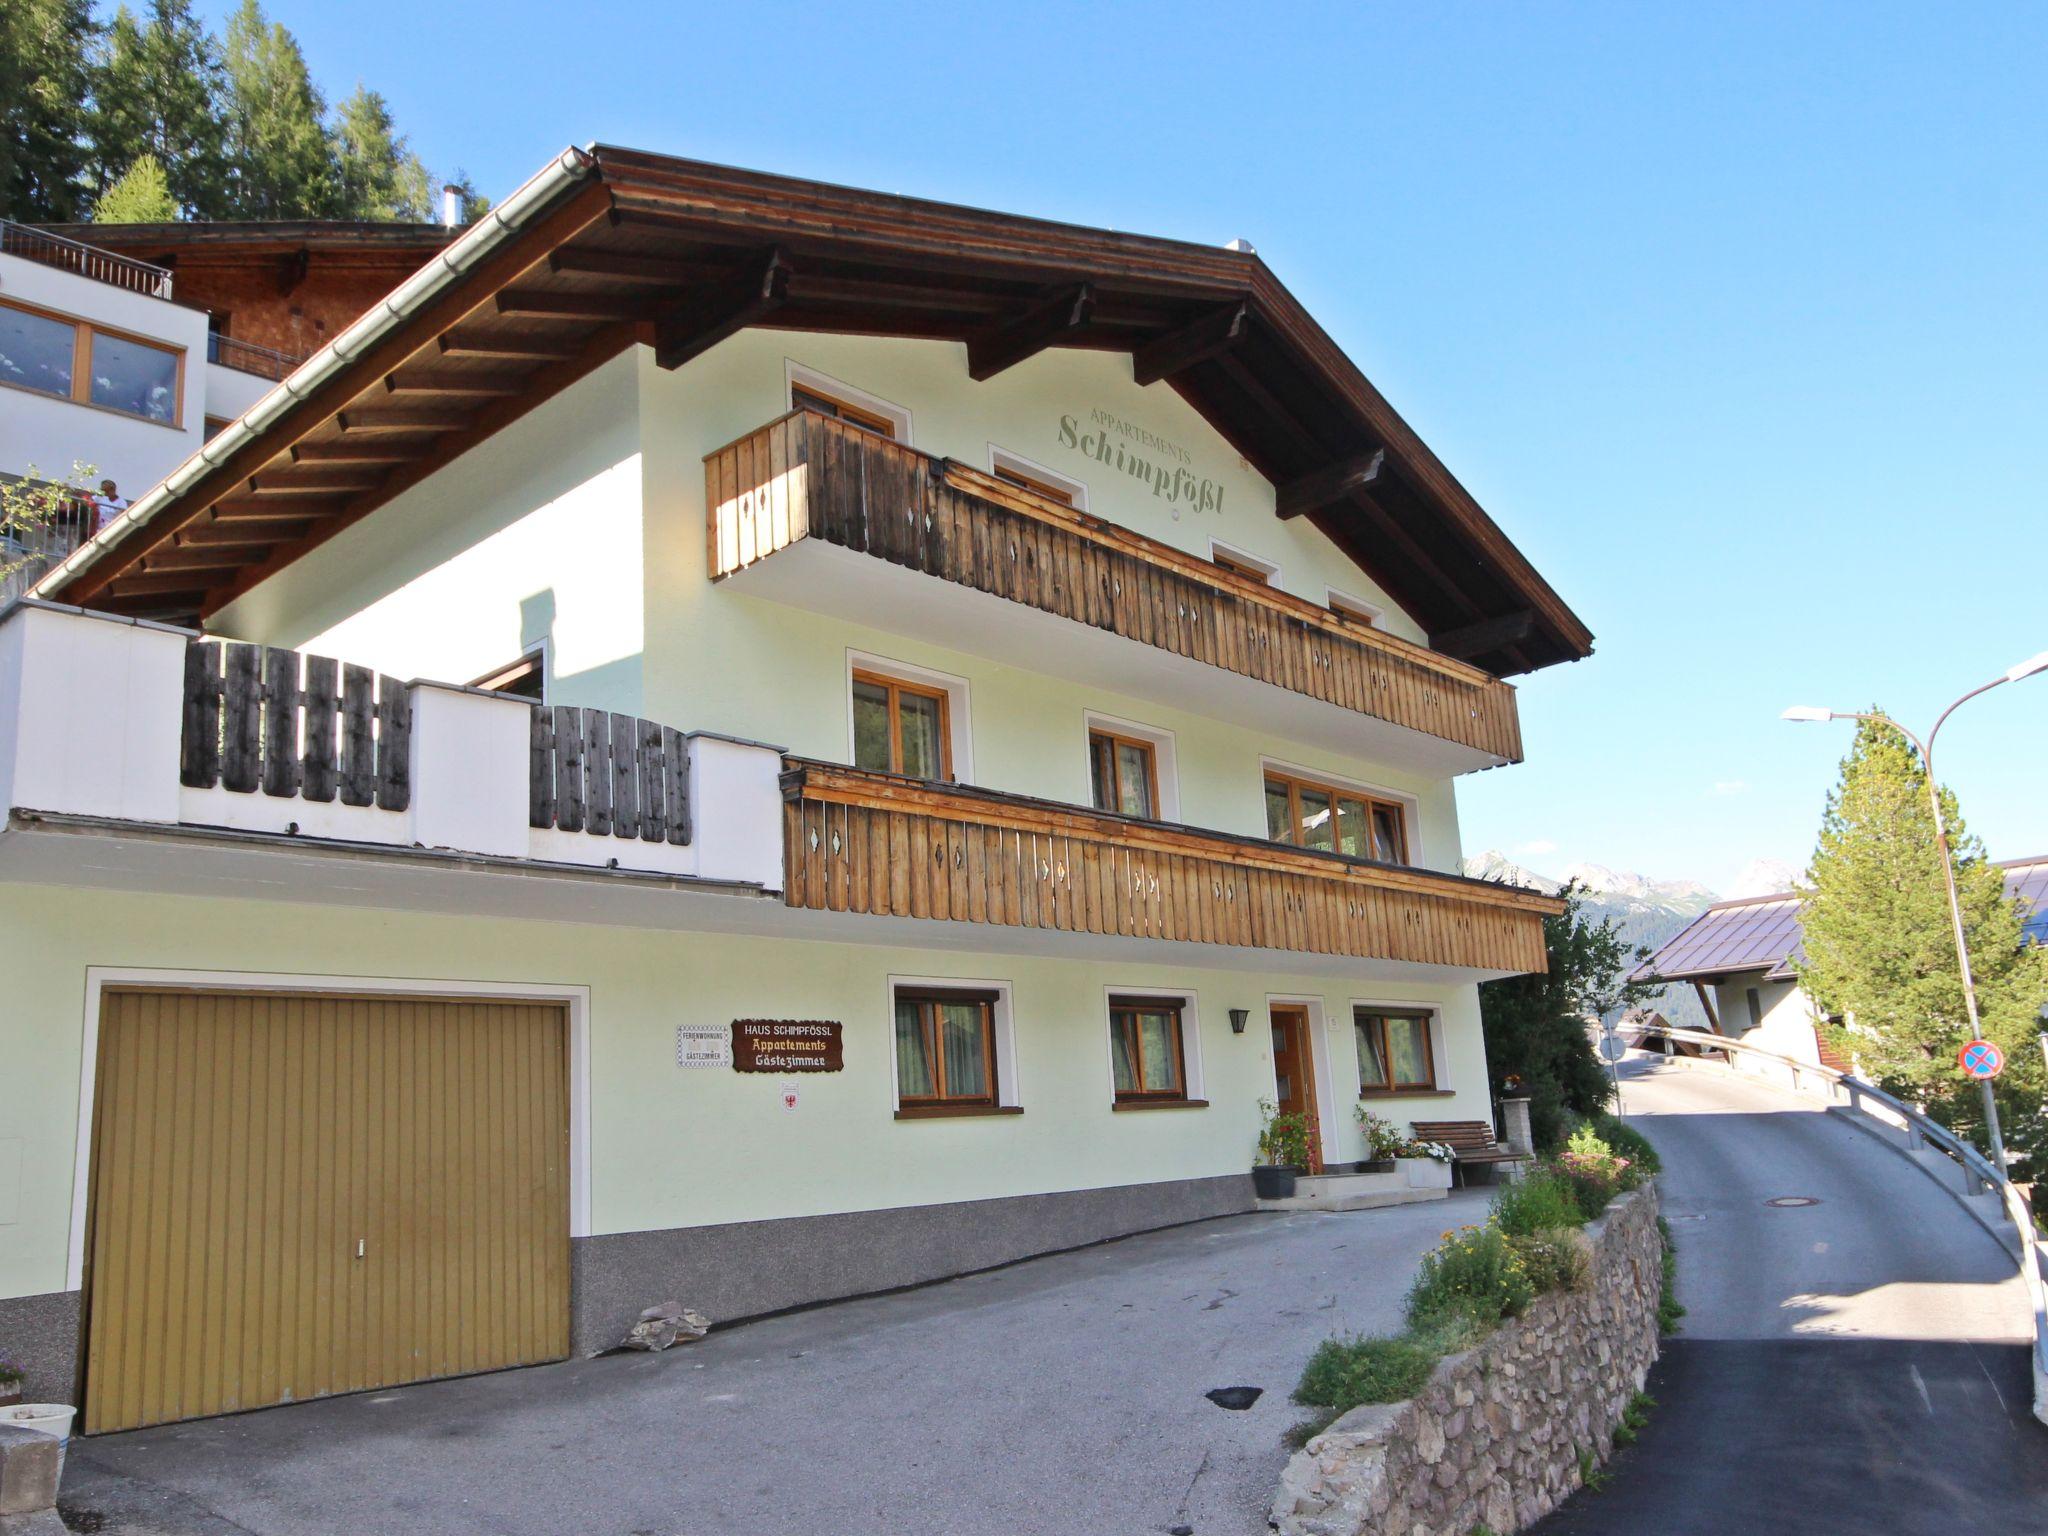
1813	714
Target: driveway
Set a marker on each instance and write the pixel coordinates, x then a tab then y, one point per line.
1062	1395
1855	1365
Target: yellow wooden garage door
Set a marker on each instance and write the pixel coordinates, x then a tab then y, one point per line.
294	1195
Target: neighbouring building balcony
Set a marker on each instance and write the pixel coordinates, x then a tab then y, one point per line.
823	515
86	260
248	357
891	847
129	727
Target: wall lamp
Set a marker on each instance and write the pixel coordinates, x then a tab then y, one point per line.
1239	1017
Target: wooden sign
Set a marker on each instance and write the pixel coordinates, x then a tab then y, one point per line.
787	1045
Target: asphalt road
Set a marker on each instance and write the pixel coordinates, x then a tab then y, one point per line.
1855	1365
1053	1398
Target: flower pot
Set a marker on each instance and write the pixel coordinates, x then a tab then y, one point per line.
1377	1165
53	1419
1273	1182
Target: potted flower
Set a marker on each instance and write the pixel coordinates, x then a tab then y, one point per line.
1283	1152
1427	1163
1382	1141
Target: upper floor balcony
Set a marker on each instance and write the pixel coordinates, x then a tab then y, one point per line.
69	255
249	357
821	514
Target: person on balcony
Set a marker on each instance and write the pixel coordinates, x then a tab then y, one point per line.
111	503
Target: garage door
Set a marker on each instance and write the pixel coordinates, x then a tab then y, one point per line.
294	1195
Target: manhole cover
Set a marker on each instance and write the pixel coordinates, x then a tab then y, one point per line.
1236	1398
1785	1201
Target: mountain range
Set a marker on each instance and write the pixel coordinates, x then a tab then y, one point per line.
1646	912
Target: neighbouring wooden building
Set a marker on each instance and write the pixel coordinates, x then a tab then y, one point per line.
740	741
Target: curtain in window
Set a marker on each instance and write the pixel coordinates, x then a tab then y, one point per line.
1408	1041
913	1065
1123	1046
1372	1057
1159	1051
924	755
965	1043
871	727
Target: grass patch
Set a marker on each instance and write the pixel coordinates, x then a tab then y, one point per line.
1343	1373
1668	1309
1633	1418
1538	1202
1471	1277
1590	1474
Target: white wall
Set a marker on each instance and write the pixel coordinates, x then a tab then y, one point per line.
1787	1026
54	434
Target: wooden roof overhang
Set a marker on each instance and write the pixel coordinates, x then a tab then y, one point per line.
680	255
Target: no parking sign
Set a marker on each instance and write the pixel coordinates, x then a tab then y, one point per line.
1981	1059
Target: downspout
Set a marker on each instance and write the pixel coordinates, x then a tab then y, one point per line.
389	312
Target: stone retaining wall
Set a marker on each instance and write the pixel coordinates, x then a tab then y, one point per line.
1495	1438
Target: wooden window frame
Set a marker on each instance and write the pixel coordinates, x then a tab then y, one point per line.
1126	1007
1245	564
1016	470
844	410
1121	739
942	1103
82	333
1296	783
1360	1012
1357	609
896	687
499	679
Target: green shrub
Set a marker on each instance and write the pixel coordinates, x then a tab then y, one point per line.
1343	1373
1595	1170
1473	1275
1536	1203
1668	1309
1631	1144
1553	1260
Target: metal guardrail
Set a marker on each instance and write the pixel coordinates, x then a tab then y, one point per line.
86	260
248	357
1919	1129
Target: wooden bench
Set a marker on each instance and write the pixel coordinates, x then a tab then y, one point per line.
1471	1142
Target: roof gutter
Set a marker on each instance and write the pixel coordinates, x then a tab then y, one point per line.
441	271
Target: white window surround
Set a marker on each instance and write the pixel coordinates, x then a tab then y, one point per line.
795	373
1009	1094
1357	608
1190	1035
1246	557
1003	458
1437	1043
1163	758
959	739
1410	806
1320	1027
98	978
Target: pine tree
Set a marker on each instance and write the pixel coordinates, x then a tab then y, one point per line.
45	82
281	164
156	94
143	196
380	178
1880	955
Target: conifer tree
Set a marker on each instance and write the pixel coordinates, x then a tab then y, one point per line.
1880	953
280	163
142	196
45	84
157	94
379	177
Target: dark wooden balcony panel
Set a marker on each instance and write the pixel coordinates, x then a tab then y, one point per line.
807	476
889	846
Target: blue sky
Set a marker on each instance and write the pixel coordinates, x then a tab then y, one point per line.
1733	315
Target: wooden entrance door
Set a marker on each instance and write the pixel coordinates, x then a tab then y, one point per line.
1294	1072
296	1195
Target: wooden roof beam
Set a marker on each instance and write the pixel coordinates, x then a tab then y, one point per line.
289	523
536	349
1306	493
692	325
382	450
607	308
402	418
1009	342
1476	639
619	266
474	386
1196	342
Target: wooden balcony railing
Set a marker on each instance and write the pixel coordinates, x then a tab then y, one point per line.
877	843
807	476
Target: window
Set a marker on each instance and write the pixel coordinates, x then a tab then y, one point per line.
901	727
1236	561
1146	1052
945	1049
1355	608
1036	478
75	360
1394	1054
1755	1000
801	398
1125	774
1322	816
525	678
215	425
